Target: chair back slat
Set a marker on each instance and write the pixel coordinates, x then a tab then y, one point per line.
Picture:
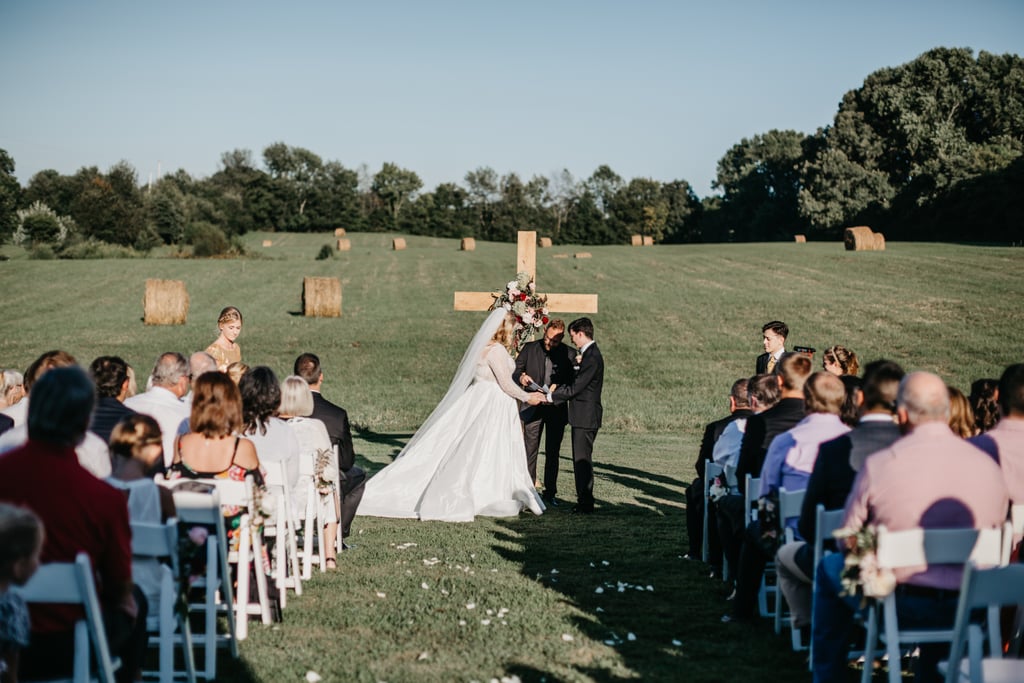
915	547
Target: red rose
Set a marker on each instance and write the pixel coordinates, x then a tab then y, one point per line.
544	320
522	297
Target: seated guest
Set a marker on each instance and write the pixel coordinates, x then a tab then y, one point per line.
839	361
773	336
169	383
739	408
214	449
80	514
13	389
136	447
961	417
849	413
236	370
983	402
837	464
110	374
788	465
955	485
1005	441
51	359
21	542
133	386
315	444
93	453
273	439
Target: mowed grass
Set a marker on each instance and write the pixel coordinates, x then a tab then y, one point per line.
677	324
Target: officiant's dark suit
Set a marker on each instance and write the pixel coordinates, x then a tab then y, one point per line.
584	397
545	366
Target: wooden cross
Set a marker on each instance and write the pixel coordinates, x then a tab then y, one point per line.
526	262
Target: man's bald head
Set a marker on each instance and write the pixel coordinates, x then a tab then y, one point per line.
923	397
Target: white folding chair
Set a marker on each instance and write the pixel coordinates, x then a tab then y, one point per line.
218	597
155	542
73	583
312	525
339	540
286	554
711	470
790	503
826	522
918	547
987	589
750	497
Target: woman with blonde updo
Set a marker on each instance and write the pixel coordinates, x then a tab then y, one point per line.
961	416
840	361
469	457
224	349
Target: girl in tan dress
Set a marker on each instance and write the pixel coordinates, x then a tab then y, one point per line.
224	349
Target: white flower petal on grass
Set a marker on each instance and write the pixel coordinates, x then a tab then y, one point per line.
592	564
677	643
599	609
423	656
313	677
650	588
444	591
567	638
381	595
424	586
490	612
605	562
599	590
630	636
462	622
485	622
470	605
554	571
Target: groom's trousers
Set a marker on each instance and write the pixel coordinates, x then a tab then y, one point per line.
583	466
551	421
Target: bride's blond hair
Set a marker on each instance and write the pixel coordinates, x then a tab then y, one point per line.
505	333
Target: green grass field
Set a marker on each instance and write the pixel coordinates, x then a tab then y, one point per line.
677	324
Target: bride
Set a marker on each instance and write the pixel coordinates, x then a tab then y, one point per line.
468	458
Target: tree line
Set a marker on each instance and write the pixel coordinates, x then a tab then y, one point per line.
928	150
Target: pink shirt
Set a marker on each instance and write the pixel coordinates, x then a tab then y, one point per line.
930	478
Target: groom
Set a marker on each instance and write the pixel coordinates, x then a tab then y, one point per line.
584	396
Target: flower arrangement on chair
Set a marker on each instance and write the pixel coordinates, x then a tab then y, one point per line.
531	310
861	574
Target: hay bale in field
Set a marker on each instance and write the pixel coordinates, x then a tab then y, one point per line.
321	297
648	241
398	244
344	245
581	254
800	239
468	244
636	240
545	242
860	238
560	256
165	302
879	242
268	243
339	232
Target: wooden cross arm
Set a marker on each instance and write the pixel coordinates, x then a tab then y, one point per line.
557	303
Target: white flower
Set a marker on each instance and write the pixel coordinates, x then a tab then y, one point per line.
381	595
567	638
677	643
424	586
630	636
599	590
507	306
528	318
512	285
313	677
470	605
485	622
423	656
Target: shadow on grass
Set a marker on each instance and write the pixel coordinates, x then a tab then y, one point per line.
396	440
234	670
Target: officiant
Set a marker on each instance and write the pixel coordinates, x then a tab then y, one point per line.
545	361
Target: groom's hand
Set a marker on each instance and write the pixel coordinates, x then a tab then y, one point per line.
536	398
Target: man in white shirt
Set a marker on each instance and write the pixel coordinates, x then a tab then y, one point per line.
170	382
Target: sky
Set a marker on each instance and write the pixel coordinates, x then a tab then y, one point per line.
652	89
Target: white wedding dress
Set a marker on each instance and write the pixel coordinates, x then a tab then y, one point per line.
468	458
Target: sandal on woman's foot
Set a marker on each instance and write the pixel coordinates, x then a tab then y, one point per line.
331	563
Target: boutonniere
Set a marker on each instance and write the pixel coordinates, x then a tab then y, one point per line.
577	361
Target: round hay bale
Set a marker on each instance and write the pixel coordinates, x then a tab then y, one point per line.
582	254
398	244
344	245
879	242
165	302
339	232
468	244
800	239
559	256
321	297
636	240
648	241
268	243
860	238
545	242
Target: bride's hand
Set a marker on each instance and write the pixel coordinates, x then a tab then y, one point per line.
536	398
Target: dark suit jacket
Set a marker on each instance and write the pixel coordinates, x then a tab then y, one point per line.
584	391
712	431
336	420
762	364
109	411
833	473
761	429
531	361
5	423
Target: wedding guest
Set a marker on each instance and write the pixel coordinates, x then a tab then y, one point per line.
13	389
133	387
224	349
773	336
961	417
839	361
110	375
314	444
984	404
955	486
80	514
585	410
200	363
51	359
21	542
236	370
545	361
1005	441
93	453
163	401
335	418
849	413
273	438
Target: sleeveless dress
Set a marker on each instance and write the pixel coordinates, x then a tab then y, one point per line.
471	461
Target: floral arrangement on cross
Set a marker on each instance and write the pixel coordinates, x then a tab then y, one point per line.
531	309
